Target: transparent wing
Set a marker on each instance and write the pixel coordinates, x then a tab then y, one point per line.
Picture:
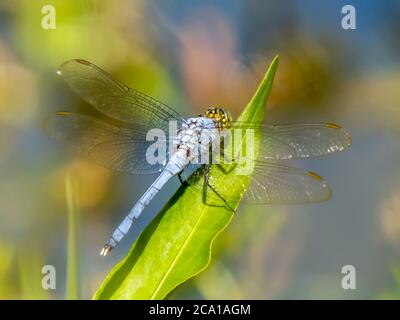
294	141
271	183
277	184
302	140
113	98
121	149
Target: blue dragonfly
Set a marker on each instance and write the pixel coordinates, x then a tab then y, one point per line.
122	143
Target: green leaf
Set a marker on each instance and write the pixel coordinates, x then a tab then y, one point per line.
177	244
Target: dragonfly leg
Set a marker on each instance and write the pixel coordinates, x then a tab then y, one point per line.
228	167
180	178
208	185
182	181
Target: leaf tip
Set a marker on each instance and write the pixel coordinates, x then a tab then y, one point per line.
274	64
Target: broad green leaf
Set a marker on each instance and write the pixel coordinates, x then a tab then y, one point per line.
177	244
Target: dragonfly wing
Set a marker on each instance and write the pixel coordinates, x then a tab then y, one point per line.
277	184
121	149
271	183
295	141
113	98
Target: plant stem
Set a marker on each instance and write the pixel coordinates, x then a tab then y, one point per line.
72	198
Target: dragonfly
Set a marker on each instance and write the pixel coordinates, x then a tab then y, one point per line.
119	142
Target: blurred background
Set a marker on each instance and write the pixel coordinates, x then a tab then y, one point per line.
192	55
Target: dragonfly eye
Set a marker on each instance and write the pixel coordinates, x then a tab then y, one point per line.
222	117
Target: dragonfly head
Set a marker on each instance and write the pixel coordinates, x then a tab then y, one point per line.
222	117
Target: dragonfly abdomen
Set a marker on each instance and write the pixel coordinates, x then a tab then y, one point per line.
191	143
176	164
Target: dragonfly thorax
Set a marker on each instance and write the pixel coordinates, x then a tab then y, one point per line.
196	136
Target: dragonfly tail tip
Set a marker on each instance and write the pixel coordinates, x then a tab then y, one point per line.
106	250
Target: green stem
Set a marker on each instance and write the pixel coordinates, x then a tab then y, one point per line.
72	198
